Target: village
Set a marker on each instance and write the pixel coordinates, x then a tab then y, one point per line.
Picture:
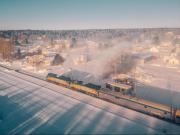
139	56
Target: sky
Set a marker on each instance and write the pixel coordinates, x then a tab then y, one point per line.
88	14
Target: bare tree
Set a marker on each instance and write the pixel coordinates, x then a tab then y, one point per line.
156	40
19	53
58	59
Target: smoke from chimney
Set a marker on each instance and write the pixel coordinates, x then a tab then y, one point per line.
121	64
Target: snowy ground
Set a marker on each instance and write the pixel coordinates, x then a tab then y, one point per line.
159	84
29	106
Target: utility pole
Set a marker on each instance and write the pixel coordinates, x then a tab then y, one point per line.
171	99
115	68
134	82
86	54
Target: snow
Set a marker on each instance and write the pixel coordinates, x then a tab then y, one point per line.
29	106
159	84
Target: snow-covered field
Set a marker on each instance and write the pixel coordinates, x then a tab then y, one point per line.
28	105
159	84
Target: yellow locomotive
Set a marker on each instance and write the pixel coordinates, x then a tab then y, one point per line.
88	88
61	80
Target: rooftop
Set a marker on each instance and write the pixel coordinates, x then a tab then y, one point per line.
29	105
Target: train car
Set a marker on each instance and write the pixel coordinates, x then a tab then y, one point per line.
93	86
145	106
64	81
123	79
50	77
119	87
87	88
177	116
61	80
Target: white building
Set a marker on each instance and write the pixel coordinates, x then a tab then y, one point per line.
171	60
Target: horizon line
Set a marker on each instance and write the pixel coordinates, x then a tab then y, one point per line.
90	29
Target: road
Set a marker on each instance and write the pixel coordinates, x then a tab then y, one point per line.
29	105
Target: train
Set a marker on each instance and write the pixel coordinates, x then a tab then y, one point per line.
88	88
118	93
119	87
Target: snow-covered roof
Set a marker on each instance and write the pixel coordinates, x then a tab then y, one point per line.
122	76
143	55
32	106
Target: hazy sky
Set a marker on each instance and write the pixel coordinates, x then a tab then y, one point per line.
88	14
